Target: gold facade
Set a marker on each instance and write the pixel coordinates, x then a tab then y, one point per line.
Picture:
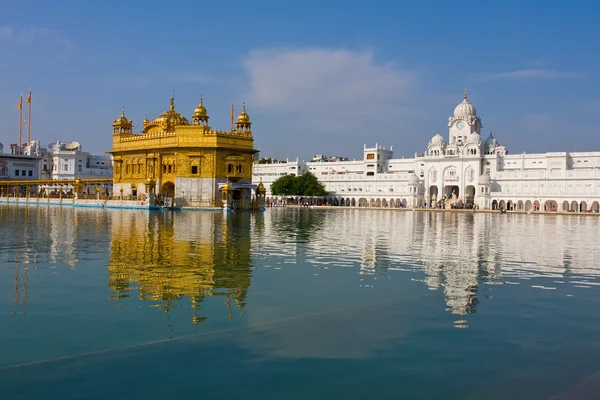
171	148
161	261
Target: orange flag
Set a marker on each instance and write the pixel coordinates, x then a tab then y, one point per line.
29	97
20	103
232	114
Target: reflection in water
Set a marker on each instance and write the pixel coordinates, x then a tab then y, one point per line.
457	252
162	258
165	256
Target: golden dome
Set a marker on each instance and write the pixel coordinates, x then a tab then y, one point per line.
243	118
200	111
170	118
122	119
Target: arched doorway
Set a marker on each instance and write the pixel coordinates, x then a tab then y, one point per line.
550	205
494	204
520	205
565	206
574	206
433	194
595	207
168	189
470	194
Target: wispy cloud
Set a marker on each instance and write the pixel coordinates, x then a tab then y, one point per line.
328	88
10	34
540	62
528	74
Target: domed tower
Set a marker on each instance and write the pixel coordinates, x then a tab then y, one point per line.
484	191
464	122
437	145
122	125
200	116
243	123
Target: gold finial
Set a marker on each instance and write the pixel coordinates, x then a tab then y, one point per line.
465	95
172	106
244	107
123	111
438	131
201	100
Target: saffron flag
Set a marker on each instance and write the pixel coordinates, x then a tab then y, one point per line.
232	113
29	97
20	103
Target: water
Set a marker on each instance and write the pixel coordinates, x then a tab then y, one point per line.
297	303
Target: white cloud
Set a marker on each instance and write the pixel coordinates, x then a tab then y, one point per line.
11	34
527	74
328	88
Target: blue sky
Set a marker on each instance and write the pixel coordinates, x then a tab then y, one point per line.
317	77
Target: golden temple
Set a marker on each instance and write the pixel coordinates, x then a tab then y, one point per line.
188	162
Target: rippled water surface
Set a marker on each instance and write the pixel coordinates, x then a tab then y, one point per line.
295	304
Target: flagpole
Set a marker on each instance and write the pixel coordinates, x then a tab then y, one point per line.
231	117
29	119
20	123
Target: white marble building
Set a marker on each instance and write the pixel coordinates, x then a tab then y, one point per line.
62	160
463	170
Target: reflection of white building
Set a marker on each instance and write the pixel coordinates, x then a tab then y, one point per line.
457	253
464	168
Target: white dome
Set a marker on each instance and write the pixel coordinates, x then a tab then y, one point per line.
465	109
438	140
473	137
413	179
485	179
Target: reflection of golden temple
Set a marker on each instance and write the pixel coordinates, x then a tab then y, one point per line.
163	260
187	161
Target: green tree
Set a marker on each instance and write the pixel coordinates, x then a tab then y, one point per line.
304	185
268	160
284	186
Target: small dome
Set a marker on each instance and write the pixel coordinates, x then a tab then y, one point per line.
491	140
243	118
227	187
485	179
438	140
260	189
200	111
413	179
122	119
465	109
473	137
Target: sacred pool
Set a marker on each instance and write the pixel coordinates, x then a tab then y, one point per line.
296	304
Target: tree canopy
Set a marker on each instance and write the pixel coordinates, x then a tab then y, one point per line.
304	185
